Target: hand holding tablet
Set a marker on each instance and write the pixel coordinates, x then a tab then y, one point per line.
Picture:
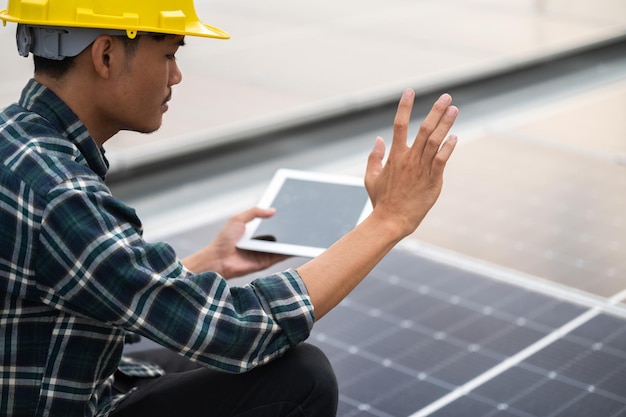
313	211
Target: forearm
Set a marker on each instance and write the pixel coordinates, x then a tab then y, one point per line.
335	273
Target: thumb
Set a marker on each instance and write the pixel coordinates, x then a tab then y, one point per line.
264	212
375	162
253	213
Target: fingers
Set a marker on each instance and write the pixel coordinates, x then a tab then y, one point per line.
433	129
434	118
431	134
439	113
401	121
441	158
429	140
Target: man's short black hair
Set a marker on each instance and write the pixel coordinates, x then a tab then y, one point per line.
54	68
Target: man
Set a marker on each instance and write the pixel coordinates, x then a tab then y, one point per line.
76	276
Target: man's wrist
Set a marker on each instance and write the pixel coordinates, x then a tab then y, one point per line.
389	228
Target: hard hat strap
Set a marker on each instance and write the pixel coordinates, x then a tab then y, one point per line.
57	42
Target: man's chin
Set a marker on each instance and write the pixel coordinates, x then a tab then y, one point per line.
144	129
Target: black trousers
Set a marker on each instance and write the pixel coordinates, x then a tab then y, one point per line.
299	384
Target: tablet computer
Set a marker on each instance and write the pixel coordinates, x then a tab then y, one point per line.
313	210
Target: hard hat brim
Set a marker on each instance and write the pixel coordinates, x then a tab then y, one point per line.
195	28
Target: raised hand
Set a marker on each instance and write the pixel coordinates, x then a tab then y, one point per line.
405	188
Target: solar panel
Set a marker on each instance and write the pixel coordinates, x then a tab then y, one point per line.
581	374
425	338
416	331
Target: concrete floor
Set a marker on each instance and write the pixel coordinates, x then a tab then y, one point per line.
287	63
544	195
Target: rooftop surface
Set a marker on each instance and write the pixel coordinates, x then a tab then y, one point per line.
291	62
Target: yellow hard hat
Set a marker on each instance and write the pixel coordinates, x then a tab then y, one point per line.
176	17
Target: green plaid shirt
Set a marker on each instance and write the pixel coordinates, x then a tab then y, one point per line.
76	276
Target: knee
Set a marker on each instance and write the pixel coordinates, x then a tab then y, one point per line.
315	369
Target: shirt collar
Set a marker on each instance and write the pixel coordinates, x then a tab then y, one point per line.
41	100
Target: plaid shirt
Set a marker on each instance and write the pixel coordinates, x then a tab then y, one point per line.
76	275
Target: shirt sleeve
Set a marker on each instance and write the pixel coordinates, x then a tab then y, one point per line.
93	262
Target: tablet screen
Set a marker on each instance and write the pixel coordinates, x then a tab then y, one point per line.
313	211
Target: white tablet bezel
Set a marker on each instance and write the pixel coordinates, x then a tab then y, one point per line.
267	199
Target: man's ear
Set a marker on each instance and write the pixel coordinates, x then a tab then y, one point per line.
102	54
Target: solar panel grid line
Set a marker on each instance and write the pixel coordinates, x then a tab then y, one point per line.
367	396
386	395
618	298
480	307
604	358
589	388
507	364
360	408
501	406
567	403
424	336
374	362
440	332
583	387
517	278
